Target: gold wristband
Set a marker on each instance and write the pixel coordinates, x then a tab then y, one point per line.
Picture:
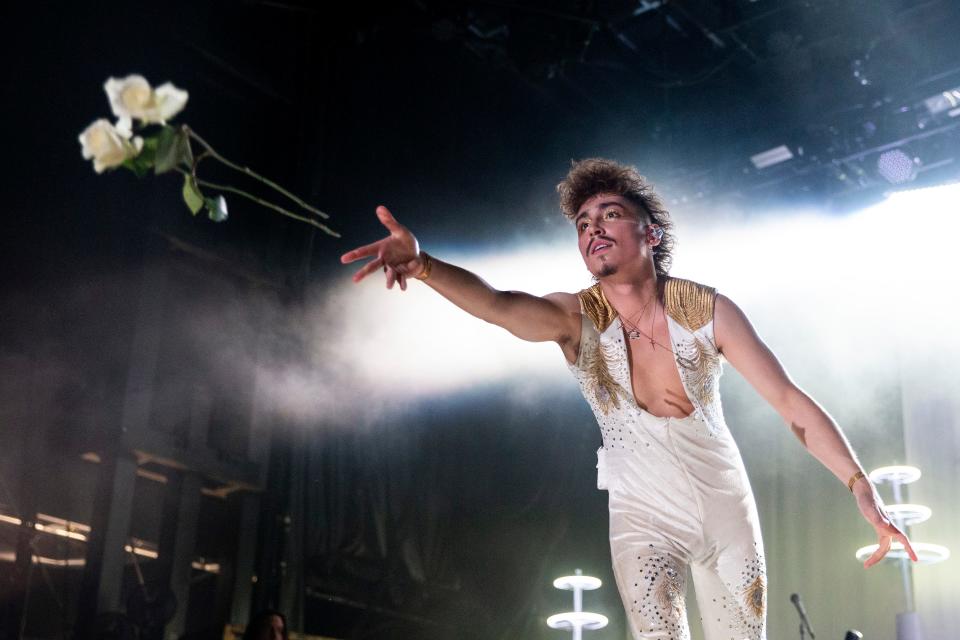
853	479
427	266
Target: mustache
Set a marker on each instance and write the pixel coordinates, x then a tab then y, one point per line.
590	244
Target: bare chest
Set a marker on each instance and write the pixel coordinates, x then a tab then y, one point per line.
654	378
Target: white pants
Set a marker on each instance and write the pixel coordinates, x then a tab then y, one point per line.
682	499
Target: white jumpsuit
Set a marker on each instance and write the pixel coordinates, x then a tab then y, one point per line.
678	493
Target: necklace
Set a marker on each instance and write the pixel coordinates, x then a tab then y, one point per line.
636	333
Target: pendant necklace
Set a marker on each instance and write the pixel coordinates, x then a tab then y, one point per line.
636	333
633	332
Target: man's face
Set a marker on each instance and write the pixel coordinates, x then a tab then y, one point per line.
611	232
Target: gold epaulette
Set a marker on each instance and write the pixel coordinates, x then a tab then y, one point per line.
689	303
595	305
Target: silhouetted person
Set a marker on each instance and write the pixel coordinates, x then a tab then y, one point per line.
266	625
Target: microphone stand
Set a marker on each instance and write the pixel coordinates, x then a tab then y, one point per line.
804	622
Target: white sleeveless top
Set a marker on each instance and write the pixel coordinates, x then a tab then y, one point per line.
603	368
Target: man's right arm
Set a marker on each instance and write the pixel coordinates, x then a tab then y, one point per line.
529	317
555	317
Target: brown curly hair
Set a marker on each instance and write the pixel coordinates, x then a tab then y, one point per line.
589	177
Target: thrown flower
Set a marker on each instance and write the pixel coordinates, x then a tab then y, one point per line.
167	148
133	98
107	146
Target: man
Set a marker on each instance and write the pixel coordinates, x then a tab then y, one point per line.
646	350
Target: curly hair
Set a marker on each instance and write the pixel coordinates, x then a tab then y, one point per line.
589	177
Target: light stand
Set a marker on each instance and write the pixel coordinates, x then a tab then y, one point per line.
904	515
578	619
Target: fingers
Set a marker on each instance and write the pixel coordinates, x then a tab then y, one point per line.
382	249
879	553
367	269
902	539
387	219
365	251
391	277
394	277
898	535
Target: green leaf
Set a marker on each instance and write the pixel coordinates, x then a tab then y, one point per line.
173	148
192	195
143	161
136	166
216	208
149	150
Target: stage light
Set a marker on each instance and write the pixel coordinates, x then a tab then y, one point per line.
927	553
52	525
771	157
78	531
899	474
64	533
570	583
208	567
141	551
897	167
909	514
948	101
10	520
904	515
10	556
577	620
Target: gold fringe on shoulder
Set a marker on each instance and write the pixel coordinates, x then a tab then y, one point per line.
595	305
689	303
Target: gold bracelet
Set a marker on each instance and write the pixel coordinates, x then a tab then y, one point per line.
427	266
853	480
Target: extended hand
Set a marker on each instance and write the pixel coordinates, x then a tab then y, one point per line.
871	506
398	254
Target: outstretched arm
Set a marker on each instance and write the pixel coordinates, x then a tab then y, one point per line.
554	317
816	430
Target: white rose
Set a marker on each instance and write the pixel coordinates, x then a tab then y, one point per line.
133	98
107	146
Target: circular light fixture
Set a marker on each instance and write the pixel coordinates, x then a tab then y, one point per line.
896	166
899	474
577	619
926	553
909	514
570	583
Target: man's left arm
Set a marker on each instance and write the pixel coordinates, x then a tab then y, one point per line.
742	347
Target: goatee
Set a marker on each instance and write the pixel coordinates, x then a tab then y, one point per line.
606	270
